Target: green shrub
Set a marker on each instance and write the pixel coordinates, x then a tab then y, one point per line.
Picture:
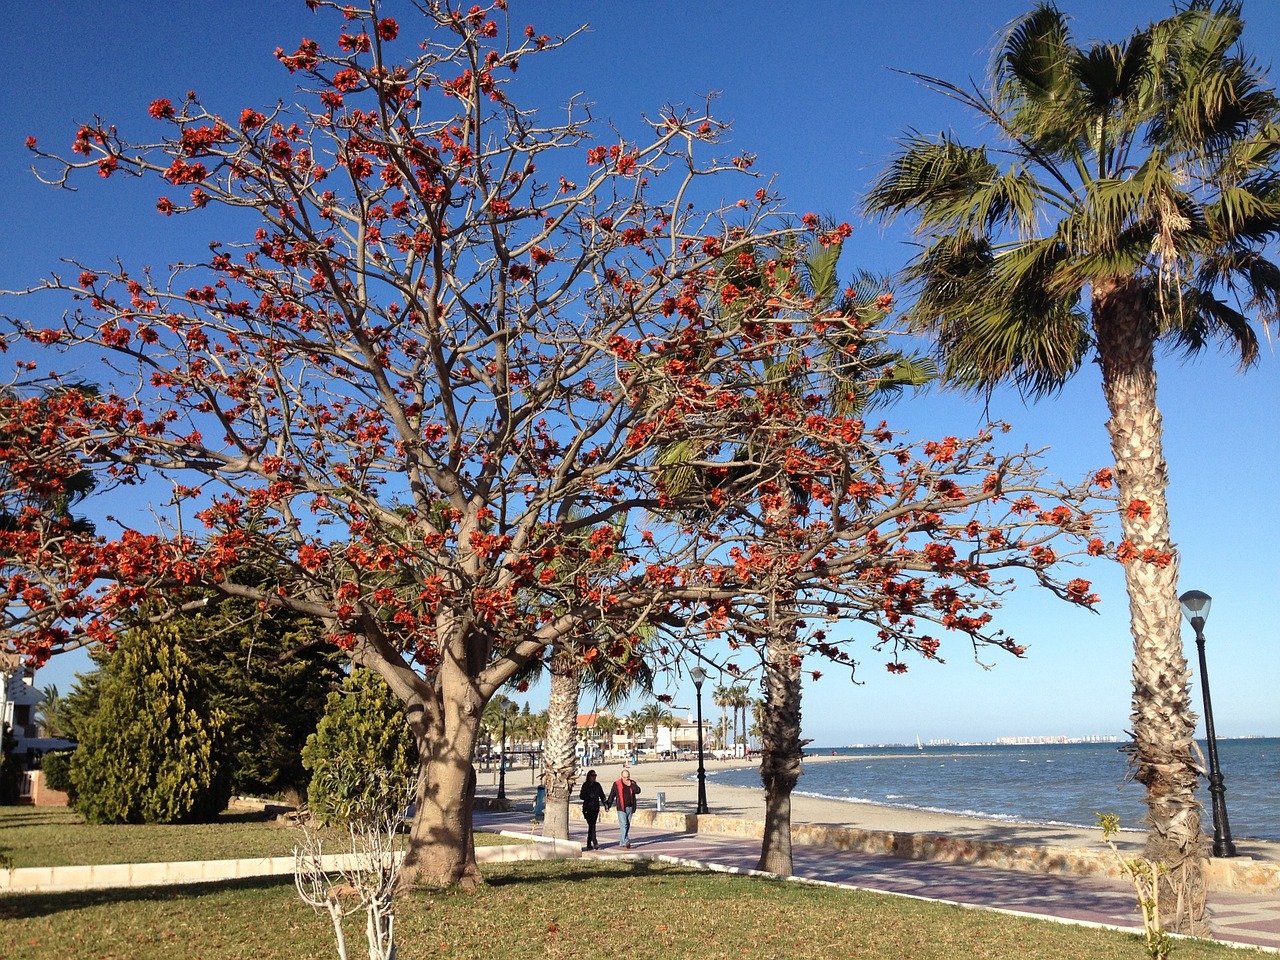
150	753
56	768
362	748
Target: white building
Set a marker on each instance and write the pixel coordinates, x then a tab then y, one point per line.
18	701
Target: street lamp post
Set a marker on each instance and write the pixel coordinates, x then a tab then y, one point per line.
502	758
1195	607
697	675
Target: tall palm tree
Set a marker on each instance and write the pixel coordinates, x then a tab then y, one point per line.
49	712
654	715
635	724
608	726
720	697
740	699
1126	201
611	679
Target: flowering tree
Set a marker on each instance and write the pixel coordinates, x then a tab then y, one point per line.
425	387
436	387
810	514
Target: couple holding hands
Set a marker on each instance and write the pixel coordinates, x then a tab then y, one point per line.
621	795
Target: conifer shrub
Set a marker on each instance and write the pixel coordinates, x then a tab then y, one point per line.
361	744
151	752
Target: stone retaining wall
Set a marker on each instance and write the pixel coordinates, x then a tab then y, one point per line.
1236	873
56	879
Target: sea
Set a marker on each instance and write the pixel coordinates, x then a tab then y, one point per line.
1052	783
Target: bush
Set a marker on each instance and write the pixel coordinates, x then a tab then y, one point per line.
56	768
362	748
150	753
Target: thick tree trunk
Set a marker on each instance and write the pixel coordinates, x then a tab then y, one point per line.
441	847
781	748
559	760
1163	721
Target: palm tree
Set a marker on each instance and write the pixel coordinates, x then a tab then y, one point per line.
607	725
720	697
611	679
654	716
740	700
49	712
635	723
1127	202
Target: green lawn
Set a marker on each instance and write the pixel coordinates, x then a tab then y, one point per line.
56	837
574	909
584	910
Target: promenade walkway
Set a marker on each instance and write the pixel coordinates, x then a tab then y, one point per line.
1239	918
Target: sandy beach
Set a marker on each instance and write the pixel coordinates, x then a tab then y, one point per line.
677	780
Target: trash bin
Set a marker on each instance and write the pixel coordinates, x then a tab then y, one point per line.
539	801
662	800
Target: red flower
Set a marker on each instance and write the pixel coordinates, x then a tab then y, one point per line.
181	172
161	109
388	29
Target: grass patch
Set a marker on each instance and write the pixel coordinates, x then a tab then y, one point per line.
58	837
585	910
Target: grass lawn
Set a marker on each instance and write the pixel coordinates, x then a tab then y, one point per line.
58	837
576	909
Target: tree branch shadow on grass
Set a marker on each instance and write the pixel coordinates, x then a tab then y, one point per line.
592	870
26	906
33	817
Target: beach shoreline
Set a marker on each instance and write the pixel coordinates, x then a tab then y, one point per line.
676	781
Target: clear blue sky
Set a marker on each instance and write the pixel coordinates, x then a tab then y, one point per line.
810	90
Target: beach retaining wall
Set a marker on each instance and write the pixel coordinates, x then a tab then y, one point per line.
1237	873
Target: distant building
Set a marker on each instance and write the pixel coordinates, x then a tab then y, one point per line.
1031	741
594	744
19	699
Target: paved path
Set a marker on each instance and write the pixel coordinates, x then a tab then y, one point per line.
1236	917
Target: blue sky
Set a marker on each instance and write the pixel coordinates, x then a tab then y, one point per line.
811	91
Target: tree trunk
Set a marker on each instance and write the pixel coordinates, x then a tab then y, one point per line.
441	847
781	748
1162	717
559	759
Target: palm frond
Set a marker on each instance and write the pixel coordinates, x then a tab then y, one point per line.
932	179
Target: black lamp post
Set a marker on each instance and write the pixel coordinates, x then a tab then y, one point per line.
502	758
697	675
1195	607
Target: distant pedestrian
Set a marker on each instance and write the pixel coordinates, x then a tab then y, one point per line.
592	797
623	794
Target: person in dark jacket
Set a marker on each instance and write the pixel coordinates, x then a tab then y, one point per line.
592	797
623	794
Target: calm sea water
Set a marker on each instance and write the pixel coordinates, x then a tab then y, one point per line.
1050	783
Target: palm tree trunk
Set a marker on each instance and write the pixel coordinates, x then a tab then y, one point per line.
559	760
781	748
1162	718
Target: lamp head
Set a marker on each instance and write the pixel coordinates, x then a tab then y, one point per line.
1195	607
697	675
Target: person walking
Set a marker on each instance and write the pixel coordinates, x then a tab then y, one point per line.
592	797
623	794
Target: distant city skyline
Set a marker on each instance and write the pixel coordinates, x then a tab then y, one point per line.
817	99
